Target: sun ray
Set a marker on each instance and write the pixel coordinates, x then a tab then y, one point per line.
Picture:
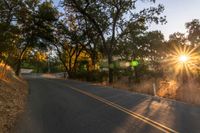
184	60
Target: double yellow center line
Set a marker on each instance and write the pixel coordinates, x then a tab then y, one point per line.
129	112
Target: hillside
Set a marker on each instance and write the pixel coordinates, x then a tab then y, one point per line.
13	92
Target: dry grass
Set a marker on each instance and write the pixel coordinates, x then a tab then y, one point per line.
145	86
13	93
188	92
6	73
167	89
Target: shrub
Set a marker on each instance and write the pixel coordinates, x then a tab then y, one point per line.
92	76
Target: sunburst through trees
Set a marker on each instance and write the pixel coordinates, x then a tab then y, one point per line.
184	59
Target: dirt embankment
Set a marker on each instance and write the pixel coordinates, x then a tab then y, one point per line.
13	94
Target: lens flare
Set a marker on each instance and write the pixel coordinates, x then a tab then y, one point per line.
183	59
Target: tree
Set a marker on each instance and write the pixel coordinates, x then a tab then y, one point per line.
131	42
8	39
108	20
8	10
92	44
193	28
68	44
9	32
177	38
138	44
155	45
35	22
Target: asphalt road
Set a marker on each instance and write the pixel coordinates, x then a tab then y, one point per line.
67	106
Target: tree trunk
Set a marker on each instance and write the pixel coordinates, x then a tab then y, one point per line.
19	62
93	65
38	69
70	74
137	79
93	58
17	72
65	74
110	69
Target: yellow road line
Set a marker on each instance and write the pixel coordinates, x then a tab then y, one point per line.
116	106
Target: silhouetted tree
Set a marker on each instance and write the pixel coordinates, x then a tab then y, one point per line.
108	20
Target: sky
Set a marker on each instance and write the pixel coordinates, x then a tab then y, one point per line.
178	12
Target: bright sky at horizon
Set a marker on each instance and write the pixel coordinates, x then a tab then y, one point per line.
178	12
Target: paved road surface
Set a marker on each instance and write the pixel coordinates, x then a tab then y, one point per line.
67	106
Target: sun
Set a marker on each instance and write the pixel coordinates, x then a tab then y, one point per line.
183	58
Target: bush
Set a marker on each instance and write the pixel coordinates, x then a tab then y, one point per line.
92	76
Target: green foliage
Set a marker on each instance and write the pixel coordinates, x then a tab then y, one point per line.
25	25
8	37
106	17
36	23
83	65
